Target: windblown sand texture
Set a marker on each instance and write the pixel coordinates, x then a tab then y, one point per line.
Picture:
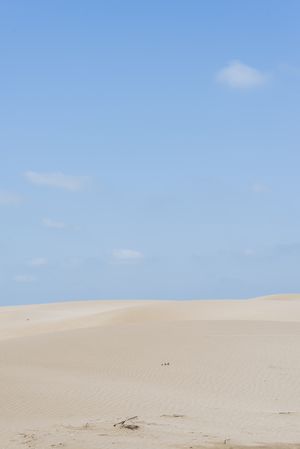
193	374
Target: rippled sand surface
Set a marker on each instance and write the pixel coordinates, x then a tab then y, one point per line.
190	374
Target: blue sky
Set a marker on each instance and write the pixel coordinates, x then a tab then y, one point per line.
149	149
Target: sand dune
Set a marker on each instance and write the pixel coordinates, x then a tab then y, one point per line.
195	373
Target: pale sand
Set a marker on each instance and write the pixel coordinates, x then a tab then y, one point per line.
69	371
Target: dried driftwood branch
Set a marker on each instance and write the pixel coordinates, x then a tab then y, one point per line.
122	423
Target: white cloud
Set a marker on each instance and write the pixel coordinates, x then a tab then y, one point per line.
127	256
7	198
24	279
57	180
241	76
259	187
54	224
38	262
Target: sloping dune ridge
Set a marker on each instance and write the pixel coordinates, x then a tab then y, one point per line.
186	374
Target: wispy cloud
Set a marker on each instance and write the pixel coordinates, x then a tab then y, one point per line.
57	180
24	279
259	187
241	76
53	224
7	198
38	262
126	256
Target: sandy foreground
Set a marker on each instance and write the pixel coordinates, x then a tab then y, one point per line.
194	374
